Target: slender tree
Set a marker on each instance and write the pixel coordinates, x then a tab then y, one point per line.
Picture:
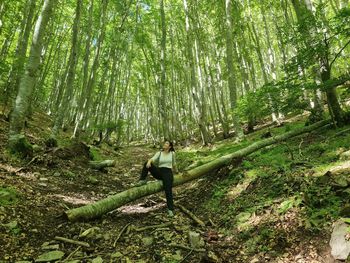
16	140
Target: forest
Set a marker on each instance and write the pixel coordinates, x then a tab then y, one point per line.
254	95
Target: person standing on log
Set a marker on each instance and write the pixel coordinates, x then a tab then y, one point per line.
162	165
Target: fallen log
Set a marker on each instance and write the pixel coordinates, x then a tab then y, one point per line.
113	202
103	164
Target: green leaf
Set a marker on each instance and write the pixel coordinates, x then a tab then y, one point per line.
50	256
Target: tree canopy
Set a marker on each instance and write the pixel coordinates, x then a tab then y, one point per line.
145	70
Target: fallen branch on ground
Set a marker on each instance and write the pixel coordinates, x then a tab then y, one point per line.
153	226
71	254
113	202
189	213
99	165
120	234
187	248
71	241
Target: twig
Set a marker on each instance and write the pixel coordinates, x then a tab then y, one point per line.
186	256
211	222
120	234
71	241
29	163
187	248
71	254
340	133
289	149
301	142
161	229
153	226
190	214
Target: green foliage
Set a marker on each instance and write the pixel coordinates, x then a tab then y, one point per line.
69	175
19	146
289	203
8	196
95	154
248	108
13	227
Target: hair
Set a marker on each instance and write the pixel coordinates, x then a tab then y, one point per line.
172	149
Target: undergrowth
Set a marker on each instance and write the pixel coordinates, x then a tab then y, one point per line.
288	177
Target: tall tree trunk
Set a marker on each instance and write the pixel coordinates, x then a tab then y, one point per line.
80	109
18	65
163	94
28	80
199	107
303	10
230	70
72	62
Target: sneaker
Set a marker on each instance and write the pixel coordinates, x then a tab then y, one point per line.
141	182
170	213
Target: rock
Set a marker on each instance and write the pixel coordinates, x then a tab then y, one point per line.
339	245
50	256
147	241
195	239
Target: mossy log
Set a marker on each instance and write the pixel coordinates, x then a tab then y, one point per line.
113	202
102	164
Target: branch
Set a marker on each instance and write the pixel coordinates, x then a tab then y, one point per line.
71	241
338	54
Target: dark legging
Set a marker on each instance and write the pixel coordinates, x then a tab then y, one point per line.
164	174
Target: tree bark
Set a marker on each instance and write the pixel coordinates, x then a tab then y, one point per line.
72	62
163	94
110	203
230	69
28	80
17	68
303	11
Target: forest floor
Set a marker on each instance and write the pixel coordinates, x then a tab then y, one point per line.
271	207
